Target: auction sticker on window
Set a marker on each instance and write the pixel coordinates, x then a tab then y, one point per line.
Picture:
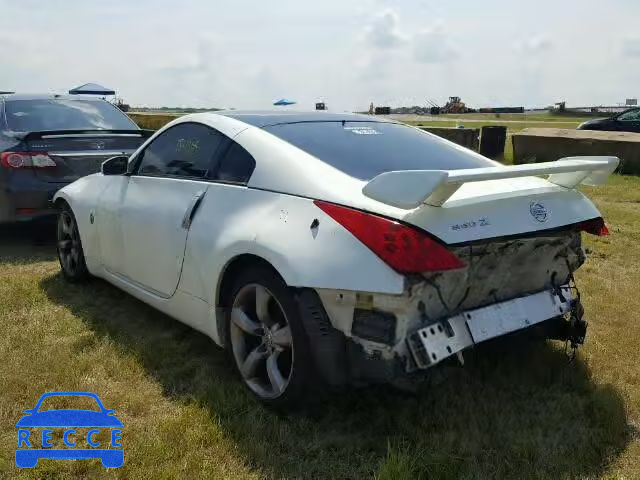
363	130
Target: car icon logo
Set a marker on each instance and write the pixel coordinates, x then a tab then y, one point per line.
538	211
99	145
27	454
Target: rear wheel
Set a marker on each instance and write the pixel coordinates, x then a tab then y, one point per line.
266	338
69	246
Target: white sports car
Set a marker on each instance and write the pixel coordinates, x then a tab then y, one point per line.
334	249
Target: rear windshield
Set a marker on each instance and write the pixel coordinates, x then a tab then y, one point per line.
64	114
366	149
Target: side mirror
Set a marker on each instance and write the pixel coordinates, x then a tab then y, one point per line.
29	410
115	165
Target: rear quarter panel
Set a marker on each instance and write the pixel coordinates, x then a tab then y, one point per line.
235	220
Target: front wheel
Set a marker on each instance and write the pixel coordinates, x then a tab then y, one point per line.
69	246
267	340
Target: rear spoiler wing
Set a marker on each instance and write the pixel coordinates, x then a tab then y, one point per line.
26	136
409	189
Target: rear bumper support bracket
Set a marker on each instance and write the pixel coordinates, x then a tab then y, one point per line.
431	344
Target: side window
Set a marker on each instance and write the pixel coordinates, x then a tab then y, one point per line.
236	165
632	116
185	150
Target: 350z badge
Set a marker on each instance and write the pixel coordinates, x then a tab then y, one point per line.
538	211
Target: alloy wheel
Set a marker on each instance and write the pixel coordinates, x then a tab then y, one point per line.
68	243
261	341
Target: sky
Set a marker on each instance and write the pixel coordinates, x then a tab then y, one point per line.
348	53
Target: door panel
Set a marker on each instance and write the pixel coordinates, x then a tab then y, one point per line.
155	206
152	215
628	121
629	126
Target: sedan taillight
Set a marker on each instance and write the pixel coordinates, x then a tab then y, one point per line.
16	160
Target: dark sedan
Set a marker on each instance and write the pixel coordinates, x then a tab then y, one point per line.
48	141
627	121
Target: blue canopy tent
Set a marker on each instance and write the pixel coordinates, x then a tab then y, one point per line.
284	101
91	89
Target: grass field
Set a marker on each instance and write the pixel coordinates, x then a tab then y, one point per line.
514	411
152	121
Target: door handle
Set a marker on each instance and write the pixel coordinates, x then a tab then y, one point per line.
192	208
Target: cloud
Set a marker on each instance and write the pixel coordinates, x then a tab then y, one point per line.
374	67
433	45
190	75
383	31
197	58
534	44
631	46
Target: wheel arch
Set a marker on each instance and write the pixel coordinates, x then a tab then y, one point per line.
235	265
327	345
59	201
225	282
78	198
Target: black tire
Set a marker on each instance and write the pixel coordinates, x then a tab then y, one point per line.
69	247
302	374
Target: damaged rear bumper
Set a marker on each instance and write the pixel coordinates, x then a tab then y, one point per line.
359	339
436	342
509	285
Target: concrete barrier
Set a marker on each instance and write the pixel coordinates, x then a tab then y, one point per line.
467	137
492	141
549	144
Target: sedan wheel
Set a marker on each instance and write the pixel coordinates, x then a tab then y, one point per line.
70	253
261	341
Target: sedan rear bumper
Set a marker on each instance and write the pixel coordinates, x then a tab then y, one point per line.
23	204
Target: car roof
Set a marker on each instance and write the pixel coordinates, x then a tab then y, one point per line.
46	96
267	117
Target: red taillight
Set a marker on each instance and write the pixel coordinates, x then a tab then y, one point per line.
26	160
403	248
595	226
